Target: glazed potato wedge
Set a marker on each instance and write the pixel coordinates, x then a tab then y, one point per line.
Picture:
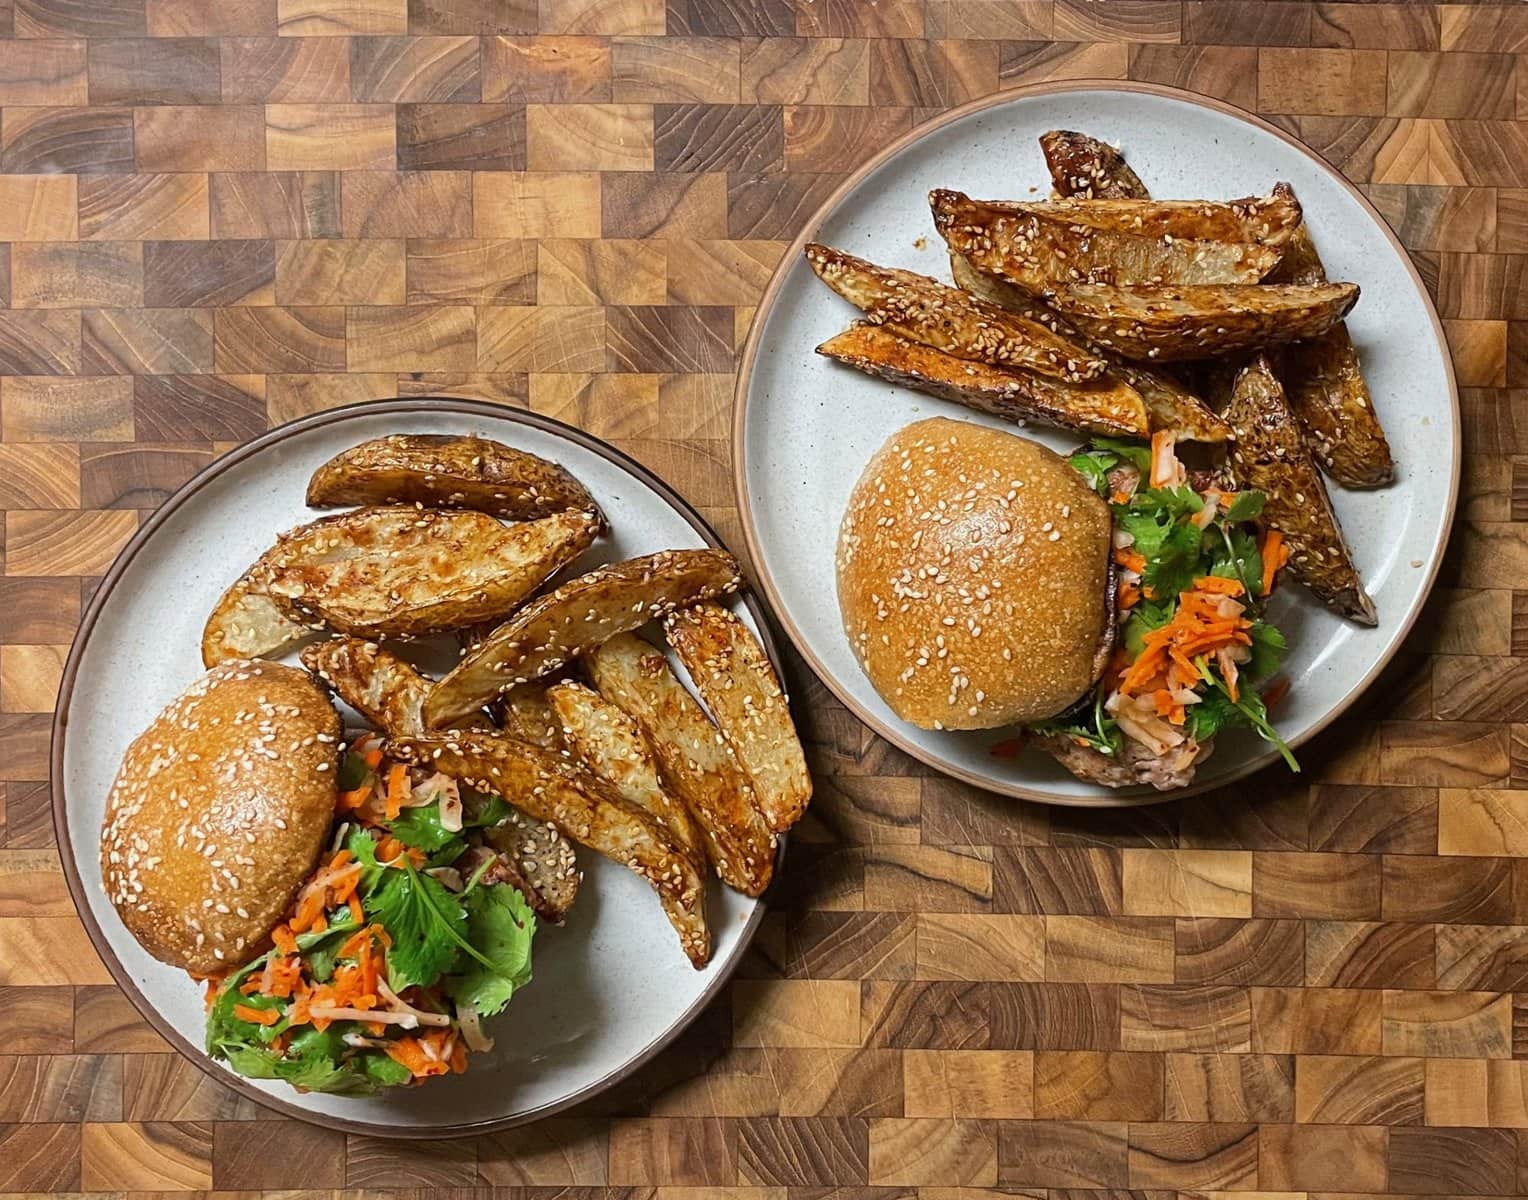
1270	455
388	692
694	760
610	745
1326	387
924	310
1255	220
1107	405
739	686
1169	405
1085	167
526	713
1169	324
446	471
247	623
575	617
1041	254
547	787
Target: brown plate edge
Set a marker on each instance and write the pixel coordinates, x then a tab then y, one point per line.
195	1053
745	376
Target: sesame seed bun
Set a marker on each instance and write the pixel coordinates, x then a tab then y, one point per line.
218	813
973	571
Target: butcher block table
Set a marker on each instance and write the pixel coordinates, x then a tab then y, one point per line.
224	214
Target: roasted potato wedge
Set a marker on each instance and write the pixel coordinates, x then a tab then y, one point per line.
610	745
574	618
388	692
738	684
1085	167
1042	254
1255	220
1107	406
1169	405
1270	455
547	787
447	471
247	623
526	713
924	310
1326	387
1169	324
694	760
406	572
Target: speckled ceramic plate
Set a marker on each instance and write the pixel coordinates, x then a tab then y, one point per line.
611	986
804	427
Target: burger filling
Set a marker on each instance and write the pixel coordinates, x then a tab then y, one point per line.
1194	654
397	946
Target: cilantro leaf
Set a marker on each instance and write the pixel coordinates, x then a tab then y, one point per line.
426	922
361	844
1213	713
1136	455
421	827
1268	648
499	924
1176	563
352	773
1247	506
1094	466
1144	617
1237	557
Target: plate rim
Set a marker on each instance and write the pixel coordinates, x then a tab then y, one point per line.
749	357
59	731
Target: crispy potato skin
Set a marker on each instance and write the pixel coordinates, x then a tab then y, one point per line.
694	760
1270	455
739	686
547	787
1326	386
1252	221
1084	167
611	745
1172	324
1042	254
526	713
444	471
574	618
1169	405
405	572
924	310
388	692
1107	406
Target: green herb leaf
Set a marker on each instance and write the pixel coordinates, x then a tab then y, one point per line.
1237	557
1213	713
1094	466
1144	617
1268	646
352	773
501	925
1132	452
1247	506
426	922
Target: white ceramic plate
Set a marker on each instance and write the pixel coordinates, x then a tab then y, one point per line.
804	427
611	986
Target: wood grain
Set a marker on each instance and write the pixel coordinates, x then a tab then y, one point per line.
218	215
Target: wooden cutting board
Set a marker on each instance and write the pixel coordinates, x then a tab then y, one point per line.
222	214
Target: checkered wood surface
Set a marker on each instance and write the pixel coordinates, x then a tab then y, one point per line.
222	214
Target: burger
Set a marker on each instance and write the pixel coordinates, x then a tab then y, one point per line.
344	912
1107	604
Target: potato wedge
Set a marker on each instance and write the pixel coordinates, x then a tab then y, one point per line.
1270	455
447	471
547	787
1169	405
247	623
1041	254
738	684
574	618
406	572
1255	220
526	713
612	747
1107	406
1170	324
924	310
694	760
388	692
1326	387
1083	166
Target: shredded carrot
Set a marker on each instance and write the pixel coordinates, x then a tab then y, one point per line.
397	789
354	798
1131	560
1120	498
1275	555
258	1016
1216	585
373	757
282	937
1129	596
1197	628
